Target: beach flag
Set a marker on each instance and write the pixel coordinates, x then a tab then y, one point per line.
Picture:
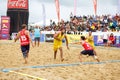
75	6
95	6
44	15
57	9
0	23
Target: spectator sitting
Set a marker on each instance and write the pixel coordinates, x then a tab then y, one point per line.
111	40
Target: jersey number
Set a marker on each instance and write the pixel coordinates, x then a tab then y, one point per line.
87	45
23	38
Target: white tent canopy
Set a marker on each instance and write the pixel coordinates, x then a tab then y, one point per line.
47	22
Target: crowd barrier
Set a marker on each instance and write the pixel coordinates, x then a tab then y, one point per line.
47	36
98	41
97	37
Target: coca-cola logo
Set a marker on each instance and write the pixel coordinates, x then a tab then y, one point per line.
17	4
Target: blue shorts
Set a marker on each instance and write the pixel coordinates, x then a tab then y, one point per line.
25	50
87	52
37	39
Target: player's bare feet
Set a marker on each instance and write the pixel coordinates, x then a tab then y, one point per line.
25	62
62	59
80	60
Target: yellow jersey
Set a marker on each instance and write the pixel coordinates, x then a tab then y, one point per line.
58	43
91	41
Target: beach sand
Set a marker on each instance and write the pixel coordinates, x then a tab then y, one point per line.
11	57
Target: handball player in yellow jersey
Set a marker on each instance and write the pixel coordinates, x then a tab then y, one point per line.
58	37
90	40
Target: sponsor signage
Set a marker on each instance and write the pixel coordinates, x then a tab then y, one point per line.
17	4
5	27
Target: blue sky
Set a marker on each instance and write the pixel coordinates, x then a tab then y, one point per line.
84	7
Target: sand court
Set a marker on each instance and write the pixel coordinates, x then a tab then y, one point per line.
11	57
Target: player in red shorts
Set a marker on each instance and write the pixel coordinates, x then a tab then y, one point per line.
88	49
25	40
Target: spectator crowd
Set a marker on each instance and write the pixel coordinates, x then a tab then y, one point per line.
93	23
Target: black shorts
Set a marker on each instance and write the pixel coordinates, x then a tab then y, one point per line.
105	40
89	52
25	50
37	38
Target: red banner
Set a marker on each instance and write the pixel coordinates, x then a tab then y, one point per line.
17	4
0	24
95	6
5	27
0	27
57	9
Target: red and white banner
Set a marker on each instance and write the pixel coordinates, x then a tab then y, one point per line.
57	9
0	24
95	6
0	27
5	27
17	4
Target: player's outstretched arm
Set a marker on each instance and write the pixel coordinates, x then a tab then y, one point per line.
77	42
